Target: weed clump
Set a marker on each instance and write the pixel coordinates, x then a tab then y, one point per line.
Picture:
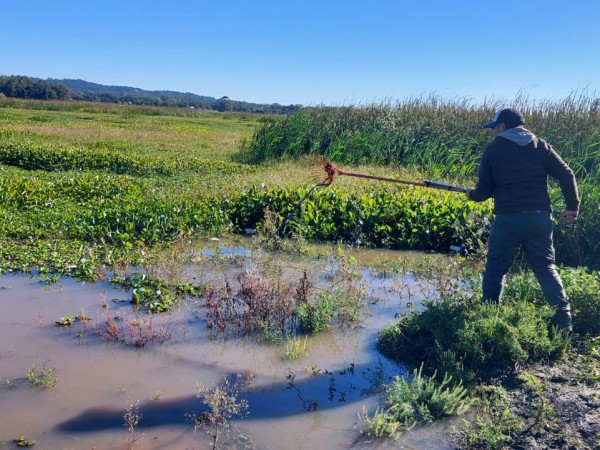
138	333
279	308
422	399
474	341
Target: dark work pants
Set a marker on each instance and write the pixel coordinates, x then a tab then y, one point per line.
533	231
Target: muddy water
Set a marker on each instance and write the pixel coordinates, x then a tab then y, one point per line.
311	403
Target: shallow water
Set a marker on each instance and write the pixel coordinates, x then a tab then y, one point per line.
312	403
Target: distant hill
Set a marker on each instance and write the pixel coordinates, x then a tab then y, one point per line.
86	90
75	89
82	86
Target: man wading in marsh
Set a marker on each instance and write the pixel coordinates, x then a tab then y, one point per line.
514	170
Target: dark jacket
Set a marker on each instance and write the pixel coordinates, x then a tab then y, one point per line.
514	170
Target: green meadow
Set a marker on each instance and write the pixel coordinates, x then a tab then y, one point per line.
81	178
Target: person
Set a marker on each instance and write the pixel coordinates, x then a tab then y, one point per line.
514	170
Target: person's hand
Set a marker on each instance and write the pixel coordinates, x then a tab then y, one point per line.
568	216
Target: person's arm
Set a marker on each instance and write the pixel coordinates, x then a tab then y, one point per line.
560	170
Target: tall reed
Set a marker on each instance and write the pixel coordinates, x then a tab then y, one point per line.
442	137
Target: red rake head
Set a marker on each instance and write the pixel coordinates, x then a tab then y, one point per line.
324	171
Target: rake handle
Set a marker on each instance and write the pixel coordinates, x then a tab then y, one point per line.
427	184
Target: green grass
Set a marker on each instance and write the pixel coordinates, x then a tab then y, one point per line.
474	341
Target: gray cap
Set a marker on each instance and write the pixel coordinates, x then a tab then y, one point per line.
510	116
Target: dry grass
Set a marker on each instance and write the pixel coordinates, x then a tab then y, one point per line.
204	141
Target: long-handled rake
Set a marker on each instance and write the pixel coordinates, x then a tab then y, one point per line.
329	171
325	172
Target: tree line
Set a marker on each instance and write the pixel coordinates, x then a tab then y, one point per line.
25	87
18	86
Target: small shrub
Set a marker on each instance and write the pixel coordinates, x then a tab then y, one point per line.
422	399
491	431
223	405
271	333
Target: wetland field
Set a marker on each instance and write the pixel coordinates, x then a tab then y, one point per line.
169	280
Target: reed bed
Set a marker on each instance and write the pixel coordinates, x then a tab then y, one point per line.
436	136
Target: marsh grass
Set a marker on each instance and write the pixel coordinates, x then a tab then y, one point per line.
441	137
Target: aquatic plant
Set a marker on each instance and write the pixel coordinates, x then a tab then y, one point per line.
264	302
22	441
147	291
132	418
44	377
296	348
223	406
137	332
316	316
65	321
261	304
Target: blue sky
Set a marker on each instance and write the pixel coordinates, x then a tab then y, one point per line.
312	51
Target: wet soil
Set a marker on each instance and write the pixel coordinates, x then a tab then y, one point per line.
573	418
560	410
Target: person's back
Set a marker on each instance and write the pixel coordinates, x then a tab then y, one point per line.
519	176
514	170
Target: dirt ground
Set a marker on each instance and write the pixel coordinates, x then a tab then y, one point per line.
563	412
574	419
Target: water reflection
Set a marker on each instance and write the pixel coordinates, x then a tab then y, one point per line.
267	401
